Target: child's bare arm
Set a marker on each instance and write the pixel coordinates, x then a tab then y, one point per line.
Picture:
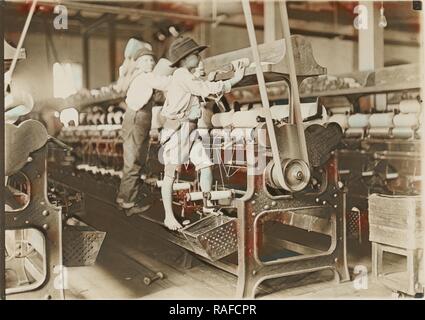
202	88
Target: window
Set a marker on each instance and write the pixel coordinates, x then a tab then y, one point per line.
67	79
69	116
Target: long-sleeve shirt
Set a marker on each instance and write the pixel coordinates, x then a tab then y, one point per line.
184	91
141	89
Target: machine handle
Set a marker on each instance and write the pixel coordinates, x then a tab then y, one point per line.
60	143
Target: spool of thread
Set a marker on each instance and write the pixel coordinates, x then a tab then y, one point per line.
341	110
220	195
341	119
181	186
223	119
354	132
279	112
403	133
307	110
325	115
410	106
247	119
406	120
358	120
194	196
381	120
176	186
393	106
212	195
110	118
118	116
380	132
381	103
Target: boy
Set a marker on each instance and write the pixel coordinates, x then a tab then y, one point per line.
135	129
182	109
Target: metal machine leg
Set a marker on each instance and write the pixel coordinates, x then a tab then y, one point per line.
253	209
42	216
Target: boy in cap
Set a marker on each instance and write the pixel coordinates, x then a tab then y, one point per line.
182	109
135	128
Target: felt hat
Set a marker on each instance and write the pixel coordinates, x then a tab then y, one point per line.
181	48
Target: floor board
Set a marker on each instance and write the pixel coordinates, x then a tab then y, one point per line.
121	267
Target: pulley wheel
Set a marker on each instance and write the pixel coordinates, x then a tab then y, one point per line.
296	174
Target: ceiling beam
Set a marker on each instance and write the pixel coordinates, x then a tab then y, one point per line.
90	7
312	28
102	20
330	30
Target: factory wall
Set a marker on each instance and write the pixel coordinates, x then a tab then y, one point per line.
397	54
224	39
35	74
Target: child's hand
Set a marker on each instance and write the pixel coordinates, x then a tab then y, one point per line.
239	73
211	75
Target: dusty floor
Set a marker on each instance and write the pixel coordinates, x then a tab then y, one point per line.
122	266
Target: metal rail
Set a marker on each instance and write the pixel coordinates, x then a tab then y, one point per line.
21	41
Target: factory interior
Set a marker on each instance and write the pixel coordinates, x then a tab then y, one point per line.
310	118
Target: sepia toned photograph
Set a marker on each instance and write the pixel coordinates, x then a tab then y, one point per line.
225	151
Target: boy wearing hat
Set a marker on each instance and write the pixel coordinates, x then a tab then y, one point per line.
182	109
135	128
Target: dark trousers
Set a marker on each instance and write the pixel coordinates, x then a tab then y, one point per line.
135	133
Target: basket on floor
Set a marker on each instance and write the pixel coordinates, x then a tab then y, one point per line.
81	243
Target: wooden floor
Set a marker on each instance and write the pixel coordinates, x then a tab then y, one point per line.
123	263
